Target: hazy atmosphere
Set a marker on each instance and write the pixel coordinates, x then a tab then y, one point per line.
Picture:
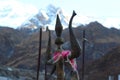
87	48
15	12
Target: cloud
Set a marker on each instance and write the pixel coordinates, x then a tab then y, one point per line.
107	21
13	13
112	22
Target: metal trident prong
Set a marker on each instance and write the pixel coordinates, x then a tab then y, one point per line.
59	41
75	48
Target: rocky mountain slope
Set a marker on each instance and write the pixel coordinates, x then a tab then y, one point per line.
9	38
26	53
101	40
108	65
101	54
10	73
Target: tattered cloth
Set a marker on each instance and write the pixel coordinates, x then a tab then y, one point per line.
64	54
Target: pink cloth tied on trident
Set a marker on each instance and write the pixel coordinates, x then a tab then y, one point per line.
64	54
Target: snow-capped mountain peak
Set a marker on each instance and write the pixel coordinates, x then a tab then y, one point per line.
15	14
48	17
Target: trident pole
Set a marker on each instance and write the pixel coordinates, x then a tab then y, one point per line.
48	52
39	55
83	55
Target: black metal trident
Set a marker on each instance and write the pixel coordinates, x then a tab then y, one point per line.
62	55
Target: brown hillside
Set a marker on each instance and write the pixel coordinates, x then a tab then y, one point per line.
104	67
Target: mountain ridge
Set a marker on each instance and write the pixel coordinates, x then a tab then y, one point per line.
99	44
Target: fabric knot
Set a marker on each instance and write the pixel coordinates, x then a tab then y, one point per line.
65	54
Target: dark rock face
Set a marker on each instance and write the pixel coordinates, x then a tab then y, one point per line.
9	38
108	65
26	53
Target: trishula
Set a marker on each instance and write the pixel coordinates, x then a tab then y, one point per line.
60	56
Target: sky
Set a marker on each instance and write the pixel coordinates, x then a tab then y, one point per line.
104	11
